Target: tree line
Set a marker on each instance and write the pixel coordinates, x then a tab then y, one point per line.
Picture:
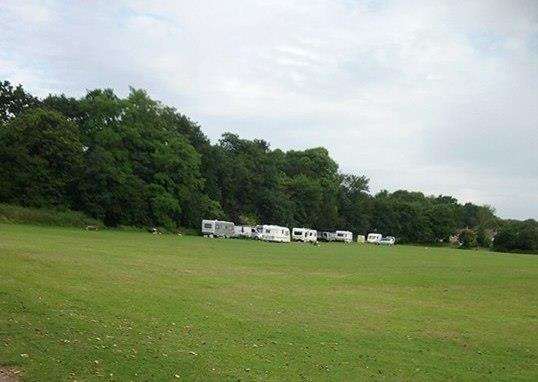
134	161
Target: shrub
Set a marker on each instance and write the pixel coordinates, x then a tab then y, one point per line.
43	216
517	236
482	238
468	239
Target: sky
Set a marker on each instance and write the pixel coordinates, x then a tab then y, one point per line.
434	96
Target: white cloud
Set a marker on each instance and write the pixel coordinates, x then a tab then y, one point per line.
438	96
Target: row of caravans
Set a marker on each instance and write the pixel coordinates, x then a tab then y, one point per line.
307	235
217	228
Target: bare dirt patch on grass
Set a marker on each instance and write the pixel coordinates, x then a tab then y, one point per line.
9	374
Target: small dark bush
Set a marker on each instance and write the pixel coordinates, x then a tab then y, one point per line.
468	239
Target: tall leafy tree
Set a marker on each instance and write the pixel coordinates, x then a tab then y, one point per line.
14	101
137	155
42	157
355	204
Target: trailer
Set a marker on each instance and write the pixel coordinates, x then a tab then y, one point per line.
306	235
344	236
273	233
243	231
374	238
217	228
326	236
387	240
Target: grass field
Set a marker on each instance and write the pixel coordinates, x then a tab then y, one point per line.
79	305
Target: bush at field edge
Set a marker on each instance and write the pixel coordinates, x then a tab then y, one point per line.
45	216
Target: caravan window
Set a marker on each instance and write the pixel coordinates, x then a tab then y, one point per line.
298	232
267	231
340	234
208	225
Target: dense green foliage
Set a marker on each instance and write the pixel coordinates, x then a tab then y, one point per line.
41	155
134	161
45	216
13	101
122	306
468	239
518	236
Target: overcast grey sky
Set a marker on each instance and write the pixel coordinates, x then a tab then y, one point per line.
436	96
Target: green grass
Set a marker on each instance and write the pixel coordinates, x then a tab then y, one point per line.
107	305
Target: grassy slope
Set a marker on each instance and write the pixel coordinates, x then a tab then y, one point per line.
133	305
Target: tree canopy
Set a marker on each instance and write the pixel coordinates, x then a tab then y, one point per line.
134	161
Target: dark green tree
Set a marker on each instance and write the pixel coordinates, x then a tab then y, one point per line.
482	237
443	221
14	101
140	169
42	156
517	236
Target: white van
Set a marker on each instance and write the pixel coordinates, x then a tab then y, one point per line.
272	233
374	238
217	228
243	231
345	236
305	235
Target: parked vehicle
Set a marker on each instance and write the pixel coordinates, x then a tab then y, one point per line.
243	231
387	240
217	228
345	236
326	236
304	234
272	233
361	239
374	238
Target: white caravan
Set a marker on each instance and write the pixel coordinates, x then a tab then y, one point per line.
345	236
326	236
217	228
387	240
243	231
304	234
272	233
374	238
